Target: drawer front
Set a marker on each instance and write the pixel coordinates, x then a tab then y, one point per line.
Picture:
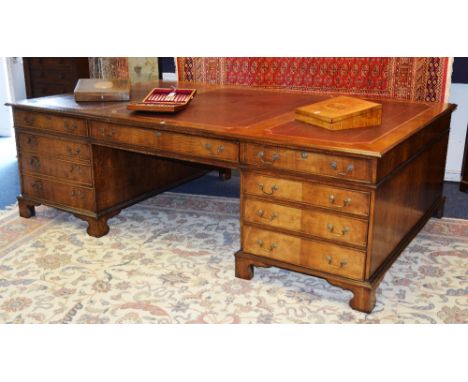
317	223
65	125
54	147
273	215
323	257
167	141
35	163
59	193
337	166
338	199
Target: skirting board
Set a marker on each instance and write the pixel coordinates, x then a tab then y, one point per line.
5	132
452	175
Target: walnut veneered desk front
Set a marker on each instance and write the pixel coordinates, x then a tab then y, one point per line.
340	205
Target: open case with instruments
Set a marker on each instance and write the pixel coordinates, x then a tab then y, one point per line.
164	100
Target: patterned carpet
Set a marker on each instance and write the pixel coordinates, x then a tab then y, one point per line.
170	260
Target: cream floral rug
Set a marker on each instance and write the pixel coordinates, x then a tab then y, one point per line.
170	260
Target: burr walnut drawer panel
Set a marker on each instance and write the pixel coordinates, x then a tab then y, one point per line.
54	147
307	162
59	193
339	199
41	164
49	122
167	141
311	254
321	224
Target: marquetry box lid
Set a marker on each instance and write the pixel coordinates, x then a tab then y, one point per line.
341	113
92	89
164	100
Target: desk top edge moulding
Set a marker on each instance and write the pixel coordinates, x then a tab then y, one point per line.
340	205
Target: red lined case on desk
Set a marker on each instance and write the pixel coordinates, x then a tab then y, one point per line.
160	100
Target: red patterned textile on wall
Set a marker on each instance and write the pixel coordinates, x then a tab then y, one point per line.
406	78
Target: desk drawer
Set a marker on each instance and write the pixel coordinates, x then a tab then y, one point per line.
337	166
317	223
167	141
323	257
59	193
40	164
58	148
69	126
334	198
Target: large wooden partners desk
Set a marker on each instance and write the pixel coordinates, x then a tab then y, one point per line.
340	205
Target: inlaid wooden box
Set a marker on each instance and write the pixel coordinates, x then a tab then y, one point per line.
341	113
92	89
164	100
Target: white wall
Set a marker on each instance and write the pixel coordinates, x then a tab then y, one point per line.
5	113
12	88
16	76
459	96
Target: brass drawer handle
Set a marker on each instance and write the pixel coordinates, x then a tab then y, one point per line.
343	263
37	186
331	228
32	140
70	127
73	151
349	168
261	243
35	162
29	119
208	147
261	213
346	202
157	133
274	157
272	189
304	154
77	194
104	133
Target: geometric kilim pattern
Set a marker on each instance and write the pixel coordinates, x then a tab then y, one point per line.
405	78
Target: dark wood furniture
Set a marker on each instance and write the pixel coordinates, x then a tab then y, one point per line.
340	205
464	171
53	75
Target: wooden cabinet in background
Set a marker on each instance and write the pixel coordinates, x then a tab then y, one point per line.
53	75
